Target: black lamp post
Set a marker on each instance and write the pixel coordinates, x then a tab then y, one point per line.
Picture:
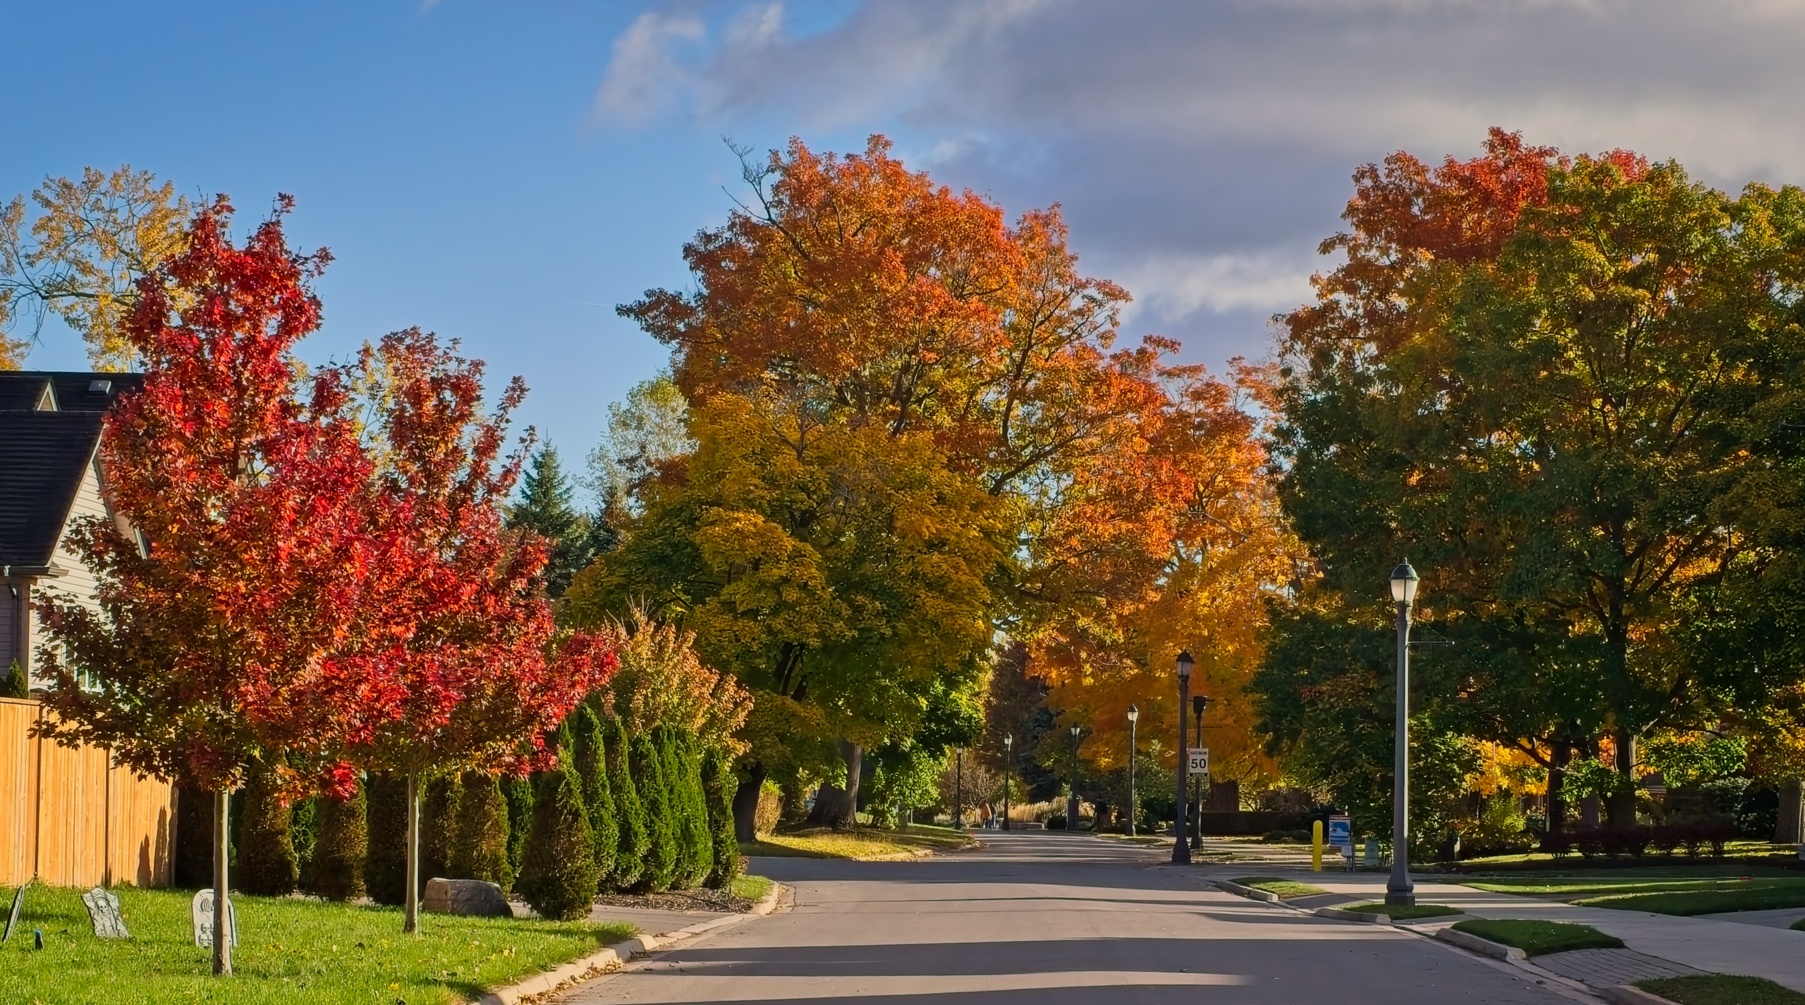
1198	703
958	788
1399	890
1181	847
1134	715
1071	800
1008	758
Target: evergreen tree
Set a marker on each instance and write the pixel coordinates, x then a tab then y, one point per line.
719	784
438	823
684	764
266	861
547	508
479	844
519	793
663	854
634	836
592	766
15	686
557	877
341	847
385	864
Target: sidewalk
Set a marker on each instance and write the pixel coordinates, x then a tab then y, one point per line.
1710	944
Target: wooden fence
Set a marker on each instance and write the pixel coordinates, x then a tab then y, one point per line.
69	817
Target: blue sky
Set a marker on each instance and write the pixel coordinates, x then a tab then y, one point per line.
506	171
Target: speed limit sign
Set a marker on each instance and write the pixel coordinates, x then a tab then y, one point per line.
1200	761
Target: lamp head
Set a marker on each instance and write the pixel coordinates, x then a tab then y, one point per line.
1184	664
1133	713
1076	729
1403	584
1008	741
1199	702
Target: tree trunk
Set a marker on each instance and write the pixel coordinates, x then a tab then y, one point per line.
1622	806
835	806
1588	812
222	851
1559	754
745	805
410	919
1786	827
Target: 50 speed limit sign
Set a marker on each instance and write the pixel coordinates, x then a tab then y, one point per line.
1199	761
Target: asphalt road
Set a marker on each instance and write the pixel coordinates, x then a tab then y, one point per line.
1050	919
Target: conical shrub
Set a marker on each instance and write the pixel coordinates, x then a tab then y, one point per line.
557	876
438	826
718	784
684	764
633	835
266	861
519	793
385	864
663	854
341	847
592	766
479	842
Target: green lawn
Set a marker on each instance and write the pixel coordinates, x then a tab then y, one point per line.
1721	989
748	887
1537	938
1285	888
292	950
1401	912
1675	891
865	843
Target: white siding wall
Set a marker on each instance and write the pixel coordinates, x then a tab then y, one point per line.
77	580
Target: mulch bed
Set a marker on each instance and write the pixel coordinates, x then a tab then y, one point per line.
679	900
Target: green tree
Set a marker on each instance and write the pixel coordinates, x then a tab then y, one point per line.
385	866
519	793
479	841
266	859
683	764
547	508
341	847
591	753
633	833
718	785
557	877
15	685
663	853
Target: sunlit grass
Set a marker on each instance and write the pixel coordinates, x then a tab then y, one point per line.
291	950
864	844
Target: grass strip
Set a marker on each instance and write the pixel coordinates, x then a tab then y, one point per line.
864	844
749	887
1721	989
1284	888
1688	904
1405	912
291	950
1537	938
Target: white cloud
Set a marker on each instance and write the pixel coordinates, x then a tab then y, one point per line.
1170	287
644	77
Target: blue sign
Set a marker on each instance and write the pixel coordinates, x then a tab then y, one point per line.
1341	832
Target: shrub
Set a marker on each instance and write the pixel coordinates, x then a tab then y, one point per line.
629	813
683	766
719	784
15	686
340	848
1559	845
770	808
557	876
1591	844
1630	840
438	824
1718	833
385	864
478	848
661	855
1665	838
519	793
591	753
267	864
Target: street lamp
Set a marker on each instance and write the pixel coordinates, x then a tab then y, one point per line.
1134	715
1181	848
958	788
1008	757
1198	703
1071	800
1399	889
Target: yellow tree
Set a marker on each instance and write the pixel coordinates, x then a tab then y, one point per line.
87	244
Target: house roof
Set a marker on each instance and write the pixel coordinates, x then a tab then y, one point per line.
50	425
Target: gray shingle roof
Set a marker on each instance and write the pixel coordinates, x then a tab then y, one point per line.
50	425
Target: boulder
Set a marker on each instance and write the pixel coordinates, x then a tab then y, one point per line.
466	896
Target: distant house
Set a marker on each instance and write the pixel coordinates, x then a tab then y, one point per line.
50	475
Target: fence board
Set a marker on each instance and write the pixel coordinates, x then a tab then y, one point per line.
72	818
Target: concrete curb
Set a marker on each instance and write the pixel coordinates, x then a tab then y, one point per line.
612	957
1484	947
1623	994
1247	891
1369	917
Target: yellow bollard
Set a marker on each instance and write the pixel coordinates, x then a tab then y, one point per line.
1316	846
